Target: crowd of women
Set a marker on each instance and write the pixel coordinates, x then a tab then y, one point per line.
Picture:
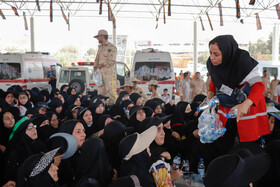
116	145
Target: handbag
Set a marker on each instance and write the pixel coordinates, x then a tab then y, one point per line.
236	98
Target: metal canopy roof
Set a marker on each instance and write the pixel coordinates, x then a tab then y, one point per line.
189	10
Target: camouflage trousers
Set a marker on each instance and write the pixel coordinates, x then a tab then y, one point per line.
109	86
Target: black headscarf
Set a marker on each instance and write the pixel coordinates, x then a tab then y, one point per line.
101	121
139	165
236	63
133	122
28	104
43	179
5	132
50	115
120	98
134	97
180	118
68	126
44	132
89	130
93	163
20	147
114	132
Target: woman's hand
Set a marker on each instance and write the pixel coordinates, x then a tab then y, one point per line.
195	133
176	135
242	108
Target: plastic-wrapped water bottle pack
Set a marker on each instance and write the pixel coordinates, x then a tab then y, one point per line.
210	126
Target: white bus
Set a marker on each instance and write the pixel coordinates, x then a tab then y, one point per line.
151	64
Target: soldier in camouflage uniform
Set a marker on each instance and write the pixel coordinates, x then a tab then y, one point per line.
106	61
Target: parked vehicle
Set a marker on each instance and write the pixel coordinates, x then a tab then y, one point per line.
81	76
31	69
151	64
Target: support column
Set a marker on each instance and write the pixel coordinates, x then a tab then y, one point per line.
275	44
195	52
32	41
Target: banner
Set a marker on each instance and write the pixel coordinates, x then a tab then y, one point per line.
164	21
221	14
121	46
51	11
100	7
109	12
259	26
15	10
252	2
201	23
169	7
237	9
2	15
278	10
38	6
25	22
209	21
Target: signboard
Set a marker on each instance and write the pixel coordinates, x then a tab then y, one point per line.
121	46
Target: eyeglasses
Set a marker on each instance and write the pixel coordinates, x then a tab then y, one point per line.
22	97
31	127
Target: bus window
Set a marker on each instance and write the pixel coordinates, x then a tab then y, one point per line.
147	71
10	71
64	77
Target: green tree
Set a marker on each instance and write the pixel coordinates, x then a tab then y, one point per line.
67	55
202	58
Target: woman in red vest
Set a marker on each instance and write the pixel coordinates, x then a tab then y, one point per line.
231	69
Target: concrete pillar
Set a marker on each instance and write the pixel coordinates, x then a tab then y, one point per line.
195	52
275	44
32	40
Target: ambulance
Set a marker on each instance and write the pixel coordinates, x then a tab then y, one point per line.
151	64
30	69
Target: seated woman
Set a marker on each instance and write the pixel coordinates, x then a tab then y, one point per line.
135	152
93	168
137	115
39	170
23	143
68	166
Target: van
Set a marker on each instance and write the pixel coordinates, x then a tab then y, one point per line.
81	77
28	70
151	64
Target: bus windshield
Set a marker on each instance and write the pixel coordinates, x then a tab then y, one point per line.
147	71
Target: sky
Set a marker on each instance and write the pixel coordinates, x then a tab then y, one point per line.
51	37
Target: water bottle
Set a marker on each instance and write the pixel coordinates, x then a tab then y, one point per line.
176	163
232	114
126	112
209	136
262	143
208	104
201	169
202	131
186	169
